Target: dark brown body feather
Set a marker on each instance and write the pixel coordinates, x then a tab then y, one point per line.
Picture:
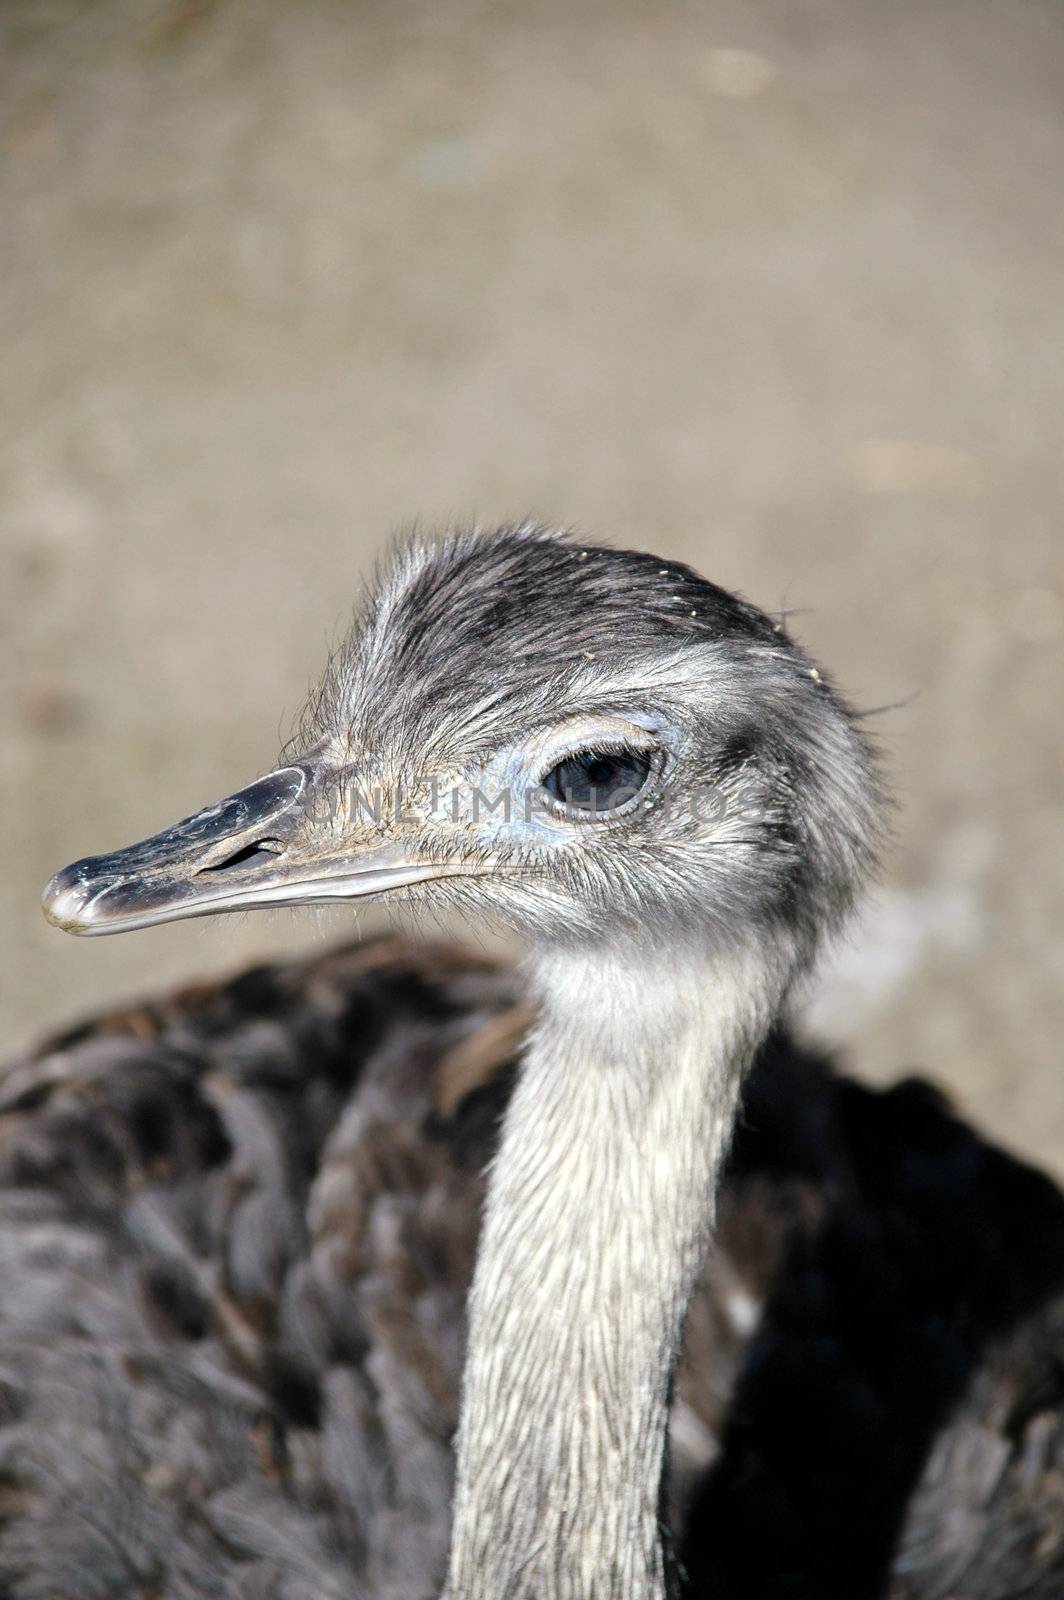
237	1227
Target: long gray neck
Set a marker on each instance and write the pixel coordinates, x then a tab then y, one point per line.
598	1217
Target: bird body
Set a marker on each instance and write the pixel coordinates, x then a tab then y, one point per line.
239	1226
650	783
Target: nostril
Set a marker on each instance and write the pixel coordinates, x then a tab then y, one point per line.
261	850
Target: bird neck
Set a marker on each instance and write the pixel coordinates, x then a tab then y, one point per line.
598	1216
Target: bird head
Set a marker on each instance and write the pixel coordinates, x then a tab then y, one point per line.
575	741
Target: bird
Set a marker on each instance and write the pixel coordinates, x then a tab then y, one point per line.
401	1270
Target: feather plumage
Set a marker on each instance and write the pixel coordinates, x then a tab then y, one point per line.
238	1228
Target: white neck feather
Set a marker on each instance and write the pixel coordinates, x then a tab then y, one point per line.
597	1221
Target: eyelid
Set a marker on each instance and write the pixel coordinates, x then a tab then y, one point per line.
614	744
586	734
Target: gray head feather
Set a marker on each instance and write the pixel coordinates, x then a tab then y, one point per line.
469	651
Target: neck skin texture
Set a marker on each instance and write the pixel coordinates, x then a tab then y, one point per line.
597	1222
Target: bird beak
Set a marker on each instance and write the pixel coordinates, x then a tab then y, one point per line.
258	847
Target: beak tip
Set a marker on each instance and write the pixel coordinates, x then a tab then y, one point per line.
63	901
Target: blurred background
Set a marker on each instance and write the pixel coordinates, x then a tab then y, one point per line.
775	287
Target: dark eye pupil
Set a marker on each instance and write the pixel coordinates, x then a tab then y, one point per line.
599	780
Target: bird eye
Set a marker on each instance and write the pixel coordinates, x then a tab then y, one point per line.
597	782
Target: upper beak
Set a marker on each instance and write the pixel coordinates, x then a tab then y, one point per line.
247	850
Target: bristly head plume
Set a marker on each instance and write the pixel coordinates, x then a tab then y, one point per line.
467	651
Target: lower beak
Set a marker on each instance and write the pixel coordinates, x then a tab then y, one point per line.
246	851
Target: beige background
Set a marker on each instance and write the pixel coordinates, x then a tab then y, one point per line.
773	286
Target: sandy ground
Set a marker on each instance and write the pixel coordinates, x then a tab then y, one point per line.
774	286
